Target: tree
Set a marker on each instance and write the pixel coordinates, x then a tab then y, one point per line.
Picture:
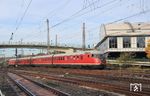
147	49
124	59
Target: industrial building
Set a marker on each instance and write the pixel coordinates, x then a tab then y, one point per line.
124	37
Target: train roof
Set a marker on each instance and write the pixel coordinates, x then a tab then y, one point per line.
43	56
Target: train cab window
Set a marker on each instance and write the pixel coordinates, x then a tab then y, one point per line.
95	55
92	55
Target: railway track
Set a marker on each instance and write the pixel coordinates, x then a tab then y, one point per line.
87	83
6	89
34	88
127	73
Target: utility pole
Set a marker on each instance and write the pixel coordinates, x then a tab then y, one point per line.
16	54
83	38
56	41
22	53
48	38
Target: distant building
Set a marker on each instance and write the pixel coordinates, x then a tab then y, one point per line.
124	37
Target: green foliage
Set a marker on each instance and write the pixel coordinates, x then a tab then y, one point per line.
2	64
147	50
126	58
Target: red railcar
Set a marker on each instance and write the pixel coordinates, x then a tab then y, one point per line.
76	59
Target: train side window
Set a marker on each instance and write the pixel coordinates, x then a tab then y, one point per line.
64	58
68	57
88	55
92	55
81	57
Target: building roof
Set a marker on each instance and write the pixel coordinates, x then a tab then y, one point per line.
127	28
124	29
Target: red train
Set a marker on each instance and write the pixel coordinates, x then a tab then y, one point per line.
76	59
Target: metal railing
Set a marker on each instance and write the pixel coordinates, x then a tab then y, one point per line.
42	44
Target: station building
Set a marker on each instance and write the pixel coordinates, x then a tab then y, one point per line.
124	37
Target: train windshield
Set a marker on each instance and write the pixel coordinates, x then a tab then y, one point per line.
101	56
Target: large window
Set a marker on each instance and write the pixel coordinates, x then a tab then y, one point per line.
113	42
126	42
140	42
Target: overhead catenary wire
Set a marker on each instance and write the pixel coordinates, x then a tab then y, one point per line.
76	13
22	4
104	11
125	18
98	26
20	21
133	15
91	29
136	14
52	12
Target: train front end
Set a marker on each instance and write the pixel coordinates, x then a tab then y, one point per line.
101	59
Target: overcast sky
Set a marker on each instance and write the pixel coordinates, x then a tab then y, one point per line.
33	26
